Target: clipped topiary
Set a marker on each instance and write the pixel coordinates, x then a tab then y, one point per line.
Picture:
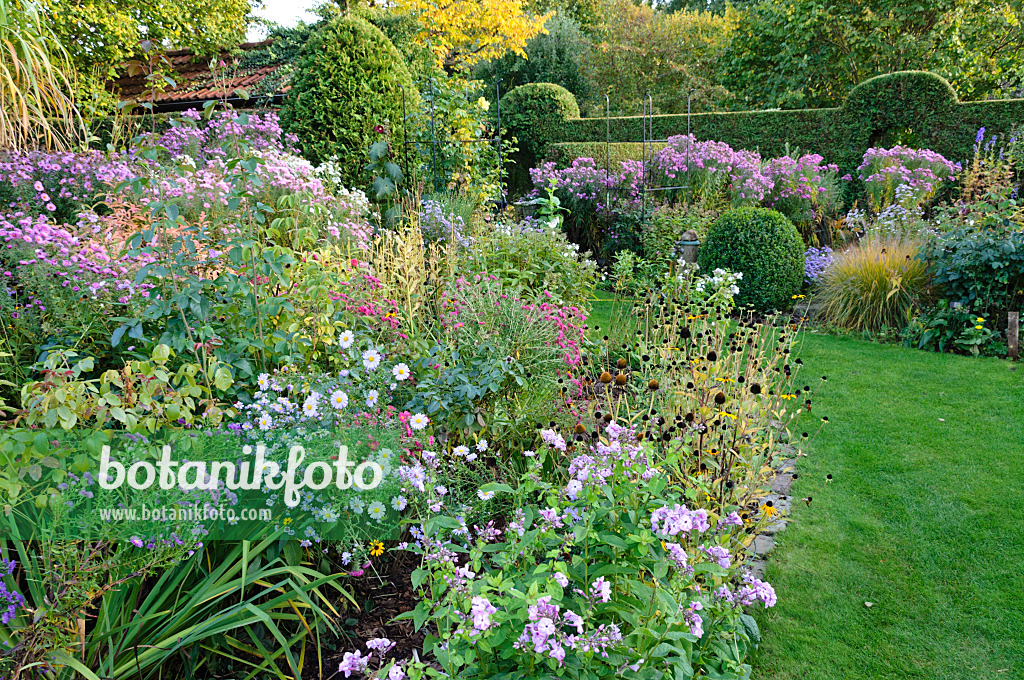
348	80
765	247
534	114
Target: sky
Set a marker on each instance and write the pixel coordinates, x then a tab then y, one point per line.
284	12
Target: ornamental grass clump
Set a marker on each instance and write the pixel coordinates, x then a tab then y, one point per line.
877	284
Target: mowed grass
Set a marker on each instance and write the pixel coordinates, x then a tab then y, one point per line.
924	520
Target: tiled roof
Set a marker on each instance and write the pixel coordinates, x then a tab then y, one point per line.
195	82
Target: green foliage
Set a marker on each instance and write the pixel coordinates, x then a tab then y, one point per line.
349	80
873	114
810	53
452	140
251	593
551	57
762	245
980	266
639	50
877	285
534	114
536	260
951	328
101	35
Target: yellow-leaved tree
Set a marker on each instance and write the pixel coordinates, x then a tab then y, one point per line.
461	33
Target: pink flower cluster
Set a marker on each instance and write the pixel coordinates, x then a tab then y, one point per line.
709	166
545	633
918	173
86	258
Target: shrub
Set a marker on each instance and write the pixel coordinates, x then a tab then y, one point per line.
875	285
980	266
349	81
534	114
765	247
540	261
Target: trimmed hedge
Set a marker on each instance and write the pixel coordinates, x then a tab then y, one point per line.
535	114
348	79
917	101
765	247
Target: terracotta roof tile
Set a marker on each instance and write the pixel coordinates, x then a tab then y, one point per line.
194	81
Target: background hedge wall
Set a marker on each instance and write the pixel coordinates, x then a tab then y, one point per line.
916	105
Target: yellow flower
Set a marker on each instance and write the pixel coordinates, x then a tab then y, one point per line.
981	320
376	548
287	521
979	327
769	510
728	415
798	297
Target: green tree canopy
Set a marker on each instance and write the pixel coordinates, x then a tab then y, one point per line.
100	35
810	53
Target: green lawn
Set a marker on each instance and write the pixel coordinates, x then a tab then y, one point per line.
925	520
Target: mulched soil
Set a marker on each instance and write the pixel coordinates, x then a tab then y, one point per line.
381	597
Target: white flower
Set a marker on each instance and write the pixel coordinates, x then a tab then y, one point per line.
266	422
485	495
471	457
376	510
401	372
529	454
440	490
346	338
371	398
339	399
263	381
419	421
399	503
481	445
309	406
356	506
371	359
461	451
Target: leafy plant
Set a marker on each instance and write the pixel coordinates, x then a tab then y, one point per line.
36	81
762	245
349	81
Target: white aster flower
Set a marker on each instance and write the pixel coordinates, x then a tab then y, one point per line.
401	372
371	359
376	510
339	400
346	338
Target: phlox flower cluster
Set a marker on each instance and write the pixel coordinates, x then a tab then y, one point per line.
585	181
547	632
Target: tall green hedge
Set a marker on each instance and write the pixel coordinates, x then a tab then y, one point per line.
348	80
535	114
915	104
